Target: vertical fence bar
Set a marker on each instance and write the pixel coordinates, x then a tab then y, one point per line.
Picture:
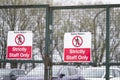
48	58
46	45
107	41
51	39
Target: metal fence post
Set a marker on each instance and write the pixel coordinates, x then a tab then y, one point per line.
48	60
107	41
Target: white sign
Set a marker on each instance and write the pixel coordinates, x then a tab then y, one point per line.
77	47
19	45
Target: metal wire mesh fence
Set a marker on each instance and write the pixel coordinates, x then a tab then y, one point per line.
23	18
49	24
82	20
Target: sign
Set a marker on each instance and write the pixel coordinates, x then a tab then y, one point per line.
77	47
19	45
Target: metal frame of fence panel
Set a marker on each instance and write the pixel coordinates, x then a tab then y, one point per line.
68	20
46	24
40	14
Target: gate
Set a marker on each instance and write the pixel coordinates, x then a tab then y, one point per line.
100	20
49	24
25	18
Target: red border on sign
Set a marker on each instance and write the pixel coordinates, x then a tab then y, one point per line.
19	39
77	41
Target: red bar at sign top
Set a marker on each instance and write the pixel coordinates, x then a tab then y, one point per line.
19	52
